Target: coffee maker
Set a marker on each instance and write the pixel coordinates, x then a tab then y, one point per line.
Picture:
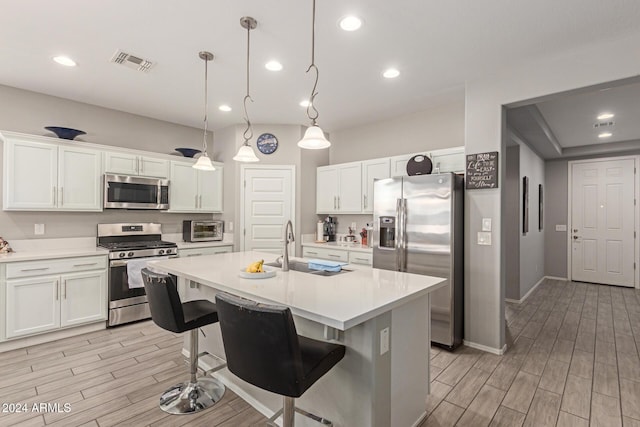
330	226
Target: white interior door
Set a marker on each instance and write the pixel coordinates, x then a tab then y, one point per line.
603	222
268	203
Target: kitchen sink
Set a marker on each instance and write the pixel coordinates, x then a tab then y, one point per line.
303	267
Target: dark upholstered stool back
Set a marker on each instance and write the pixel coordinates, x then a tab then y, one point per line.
261	344
164	301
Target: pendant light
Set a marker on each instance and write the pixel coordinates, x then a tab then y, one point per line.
246	153
313	138
204	162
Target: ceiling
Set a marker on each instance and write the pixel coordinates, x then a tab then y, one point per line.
436	45
565	124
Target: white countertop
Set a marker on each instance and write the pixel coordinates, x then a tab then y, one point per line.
341	301
344	246
37	249
177	238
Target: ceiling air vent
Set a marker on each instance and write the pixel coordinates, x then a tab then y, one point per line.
132	61
603	124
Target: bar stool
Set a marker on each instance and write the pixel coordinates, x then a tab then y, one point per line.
263	349
168	312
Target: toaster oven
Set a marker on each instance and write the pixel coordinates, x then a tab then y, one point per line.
202	231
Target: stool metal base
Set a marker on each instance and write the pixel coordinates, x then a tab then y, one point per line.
189	398
288	411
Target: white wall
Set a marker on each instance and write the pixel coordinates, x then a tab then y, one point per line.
29	112
484	131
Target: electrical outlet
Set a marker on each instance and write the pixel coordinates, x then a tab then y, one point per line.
38	229
561	227
484	238
384	341
230	226
486	224
354	226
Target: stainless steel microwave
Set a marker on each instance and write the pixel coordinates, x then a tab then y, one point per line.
202	231
134	192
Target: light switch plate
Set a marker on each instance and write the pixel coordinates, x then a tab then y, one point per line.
38	229
561	227
230	226
486	224
384	341
484	238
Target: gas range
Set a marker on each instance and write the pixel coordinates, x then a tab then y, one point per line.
139	249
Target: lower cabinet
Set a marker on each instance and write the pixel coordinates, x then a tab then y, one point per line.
44	303
340	255
183	253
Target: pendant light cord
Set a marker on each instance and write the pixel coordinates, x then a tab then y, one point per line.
311	106
206	73
248	132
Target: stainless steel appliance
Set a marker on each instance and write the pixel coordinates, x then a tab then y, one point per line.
135	192
330	226
126	242
202	231
418	228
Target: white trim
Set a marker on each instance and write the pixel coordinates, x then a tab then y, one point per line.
533	288
636	162
243	169
492	350
564	279
41	338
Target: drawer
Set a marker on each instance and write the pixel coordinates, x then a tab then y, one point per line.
360	258
55	266
322	253
183	253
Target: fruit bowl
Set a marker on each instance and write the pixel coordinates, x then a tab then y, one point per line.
65	133
268	272
188	152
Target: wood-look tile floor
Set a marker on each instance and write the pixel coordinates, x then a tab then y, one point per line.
112	377
573	361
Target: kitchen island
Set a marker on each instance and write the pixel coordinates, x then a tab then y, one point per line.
381	316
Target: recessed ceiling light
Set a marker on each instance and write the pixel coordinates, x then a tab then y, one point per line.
350	23
391	73
65	60
273	66
225	108
305	103
605	116
604	135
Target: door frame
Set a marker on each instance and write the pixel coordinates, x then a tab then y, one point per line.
636	243
243	169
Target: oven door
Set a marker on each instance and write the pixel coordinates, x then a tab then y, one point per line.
133	192
202	231
120	294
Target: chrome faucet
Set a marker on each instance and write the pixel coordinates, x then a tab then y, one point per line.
288	238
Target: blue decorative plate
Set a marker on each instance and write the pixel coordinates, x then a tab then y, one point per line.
267	143
188	152
65	133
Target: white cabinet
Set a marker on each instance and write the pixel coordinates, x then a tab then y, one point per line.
46	295
399	164
339	188
363	258
372	170
194	190
211	250
133	164
325	253
449	160
41	176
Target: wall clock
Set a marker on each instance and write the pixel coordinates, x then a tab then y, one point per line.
267	143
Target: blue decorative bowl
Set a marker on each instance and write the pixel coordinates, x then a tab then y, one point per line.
188	152
65	133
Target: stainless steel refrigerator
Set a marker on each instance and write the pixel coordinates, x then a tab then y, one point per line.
418	228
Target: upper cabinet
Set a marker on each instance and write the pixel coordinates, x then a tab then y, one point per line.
42	176
372	170
195	190
339	188
449	160
133	164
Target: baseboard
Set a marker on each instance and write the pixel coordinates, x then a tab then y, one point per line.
498	351
562	279
533	288
15	343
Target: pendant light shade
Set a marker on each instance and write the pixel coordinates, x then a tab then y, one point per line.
314	139
204	162
246	154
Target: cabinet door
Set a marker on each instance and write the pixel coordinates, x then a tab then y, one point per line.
79	179
183	192
350	184
32	305
326	189
83	297
399	164
371	170
449	160
30	175
123	163
157	168
210	189
186	253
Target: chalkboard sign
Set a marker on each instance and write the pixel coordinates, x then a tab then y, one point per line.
482	170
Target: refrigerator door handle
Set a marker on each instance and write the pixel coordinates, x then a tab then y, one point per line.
403	235
398	237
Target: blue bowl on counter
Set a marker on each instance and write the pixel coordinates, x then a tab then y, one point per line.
188	152
65	133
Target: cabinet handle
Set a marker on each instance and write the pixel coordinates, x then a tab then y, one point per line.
312	253
61	196
57	289
365	201
201	201
64	289
338	202
137	165
141	167
196	201
194	255
35	269
335	203
55	196
85	265
361	259
334	256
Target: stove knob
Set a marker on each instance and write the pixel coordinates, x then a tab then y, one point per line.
168	251
161	251
121	254
130	254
